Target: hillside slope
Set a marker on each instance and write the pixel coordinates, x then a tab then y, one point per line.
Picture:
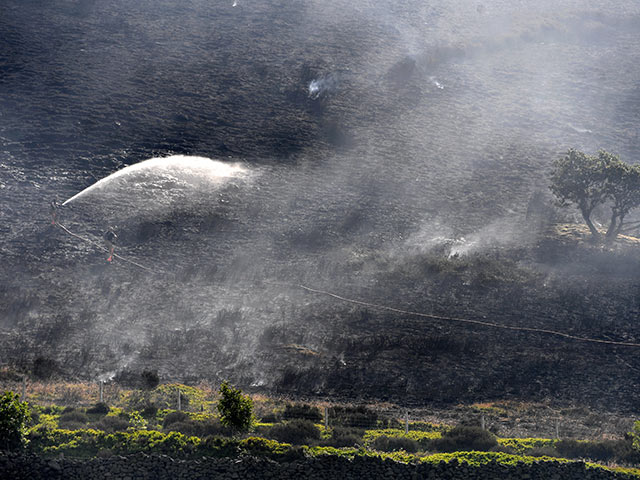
393	152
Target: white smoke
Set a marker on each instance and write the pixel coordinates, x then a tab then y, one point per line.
323	85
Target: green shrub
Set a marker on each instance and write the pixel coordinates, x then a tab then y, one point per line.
527	445
100	408
210	427
186	428
422	437
73	420
544	451
14	416
393	444
52	410
219	447
464	438
344	437
149	411
297	432
137	421
603	451
112	424
265	447
236	409
175	417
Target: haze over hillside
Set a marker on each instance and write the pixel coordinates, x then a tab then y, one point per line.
390	152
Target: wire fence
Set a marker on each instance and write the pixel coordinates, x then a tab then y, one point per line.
507	419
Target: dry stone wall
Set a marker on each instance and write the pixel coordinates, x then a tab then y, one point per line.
161	467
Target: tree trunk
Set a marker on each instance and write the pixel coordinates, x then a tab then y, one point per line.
619	227
614	228
592	228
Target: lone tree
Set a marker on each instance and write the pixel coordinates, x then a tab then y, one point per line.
236	409
590	181
13	420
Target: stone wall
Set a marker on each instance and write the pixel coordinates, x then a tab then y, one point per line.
161	467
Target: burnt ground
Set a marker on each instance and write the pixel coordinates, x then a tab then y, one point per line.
430	134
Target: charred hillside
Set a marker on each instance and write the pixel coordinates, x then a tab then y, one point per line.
394	154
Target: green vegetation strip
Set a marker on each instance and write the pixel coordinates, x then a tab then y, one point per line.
90	443
523	445
371	435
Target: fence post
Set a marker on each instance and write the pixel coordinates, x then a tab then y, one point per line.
179	400
483	423
557	429
101	383
406	422
326	418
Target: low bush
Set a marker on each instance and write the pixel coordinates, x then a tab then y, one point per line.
100	408
186	428
423	438
184	423
263	446
73	420
175	417
393	444
463	438
344	437
52	410
297	432
112	424
544	451
149	411
527	445
209	427
620	451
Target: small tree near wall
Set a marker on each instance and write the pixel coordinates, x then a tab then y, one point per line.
14	415
236	409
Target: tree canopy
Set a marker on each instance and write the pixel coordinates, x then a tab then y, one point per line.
14	415
589	181
236	409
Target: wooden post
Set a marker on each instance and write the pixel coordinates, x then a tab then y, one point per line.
557	428
179	400
406	422
483	424
326	418
101	383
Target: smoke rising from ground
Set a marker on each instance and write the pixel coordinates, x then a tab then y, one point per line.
381	131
